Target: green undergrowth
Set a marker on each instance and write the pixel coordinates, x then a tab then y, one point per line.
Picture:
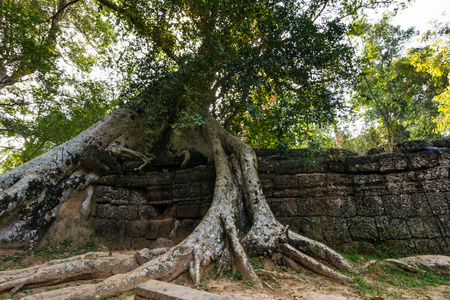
387	281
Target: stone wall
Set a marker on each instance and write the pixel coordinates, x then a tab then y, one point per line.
398	201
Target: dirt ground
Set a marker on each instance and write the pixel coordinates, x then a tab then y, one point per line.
300	283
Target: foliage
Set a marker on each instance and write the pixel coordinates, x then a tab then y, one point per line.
435	60
391	93
47	50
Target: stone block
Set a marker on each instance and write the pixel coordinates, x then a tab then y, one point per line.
392	229
148	212
207	189
368	179
392	162
363	229
303	208
370	190
136	198
187	192
437	203
425	227
402	188
285	186
277	206
362	164
335	231
444	224
105	211
367	206
136	229
126	212
159	228
109	194
430	246
308	226
186	227
399	206
338	206
290	206
191	209
152	289
197	174
423	160
421	204
159	193
109	228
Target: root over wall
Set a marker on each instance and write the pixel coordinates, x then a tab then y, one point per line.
393	201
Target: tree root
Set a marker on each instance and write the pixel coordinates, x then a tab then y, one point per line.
221	235
121	151
90	265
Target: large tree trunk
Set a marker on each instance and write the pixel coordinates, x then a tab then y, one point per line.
238	223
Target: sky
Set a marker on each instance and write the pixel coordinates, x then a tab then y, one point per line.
421	12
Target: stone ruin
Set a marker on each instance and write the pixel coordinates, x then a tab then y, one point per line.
397	201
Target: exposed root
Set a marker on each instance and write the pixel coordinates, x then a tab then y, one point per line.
275	274
146	158
407	267
318	250
312	264
90	265
218	236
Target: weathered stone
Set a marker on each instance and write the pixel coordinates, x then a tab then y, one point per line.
148	212
277	206
197	174
363	229
399	206
366	206
423	227
161	290
361	164
392	229
207	189
444	224
109	194
335	231
159	228
191	209
186	227
159	193
308	226
411	146
109	228
393	163
136	229
428	246
137	199
331	206
105	211
126	212
187	191
285	186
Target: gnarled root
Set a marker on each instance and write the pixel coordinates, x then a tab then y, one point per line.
223	233
90	265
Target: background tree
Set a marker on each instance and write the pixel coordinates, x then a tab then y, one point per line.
205	64
47	51
435	60
391	93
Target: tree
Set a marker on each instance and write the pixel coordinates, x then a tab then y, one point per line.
205	63
435	60
390	89
47	50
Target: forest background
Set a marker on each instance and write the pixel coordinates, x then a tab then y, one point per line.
56	80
